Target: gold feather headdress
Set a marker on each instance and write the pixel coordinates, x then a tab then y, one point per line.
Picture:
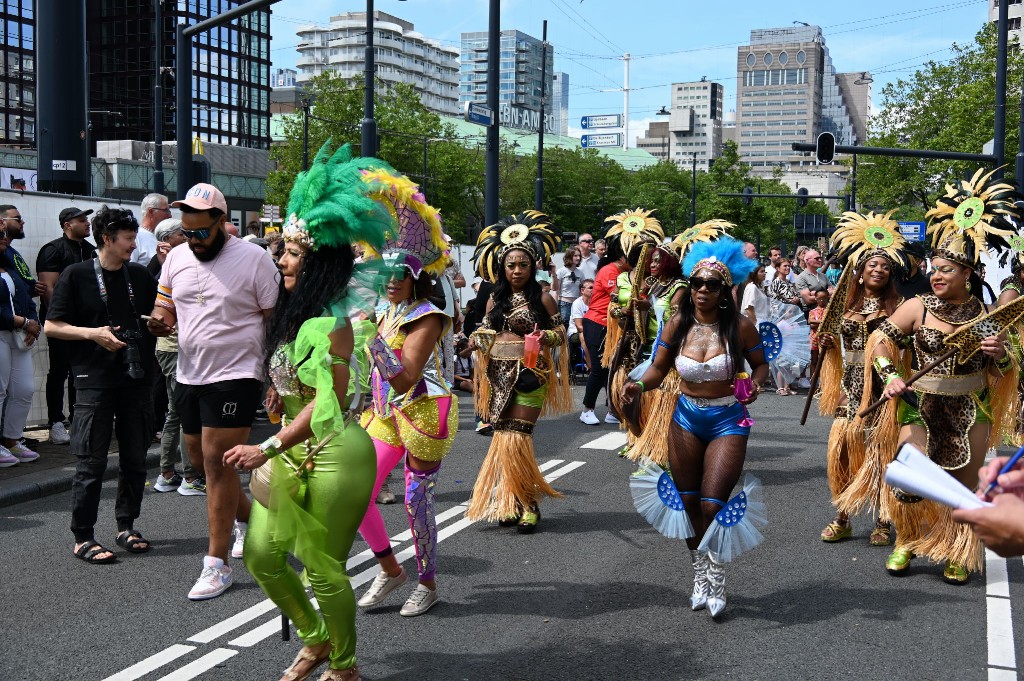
634	227
704	231
530	231
859	237
974	216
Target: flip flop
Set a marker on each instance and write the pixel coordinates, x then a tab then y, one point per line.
129	540
90	549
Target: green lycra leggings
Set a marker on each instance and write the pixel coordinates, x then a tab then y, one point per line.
331	502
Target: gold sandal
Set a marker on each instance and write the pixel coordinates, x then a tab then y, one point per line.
350	674
307	654
881	535
837	531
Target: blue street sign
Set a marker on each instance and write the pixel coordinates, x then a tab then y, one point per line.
608	139
478	113
912	231
603	121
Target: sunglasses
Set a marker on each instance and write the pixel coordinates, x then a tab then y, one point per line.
200	234
712	285
586	241
400	274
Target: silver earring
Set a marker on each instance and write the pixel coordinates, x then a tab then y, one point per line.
723	305
861	281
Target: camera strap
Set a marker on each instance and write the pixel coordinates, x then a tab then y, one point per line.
103	291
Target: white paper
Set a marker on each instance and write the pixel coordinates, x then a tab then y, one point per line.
915	473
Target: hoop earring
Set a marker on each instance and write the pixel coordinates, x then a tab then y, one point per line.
723	305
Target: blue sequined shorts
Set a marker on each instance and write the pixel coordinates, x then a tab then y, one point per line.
709	423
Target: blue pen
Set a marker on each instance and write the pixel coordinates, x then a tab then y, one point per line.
1005	469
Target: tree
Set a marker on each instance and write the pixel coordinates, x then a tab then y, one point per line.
946	106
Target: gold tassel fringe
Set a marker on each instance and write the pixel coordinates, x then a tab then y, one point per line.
1005	402
611	340
830	382
839	473
559	398
939	538
509	479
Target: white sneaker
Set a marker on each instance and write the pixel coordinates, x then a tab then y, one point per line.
236	548
382	585
804	383
589	417
59	434
6	458
421	600
610	418
22	453
212	582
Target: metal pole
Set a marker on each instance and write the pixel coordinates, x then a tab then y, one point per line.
1019	174
423	184
693	192
538	199
625	106
999	138
183	109
493	51
305	133
853	185
158	101
369	123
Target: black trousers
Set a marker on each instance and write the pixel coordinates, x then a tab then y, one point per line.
59	375
594	335
101	413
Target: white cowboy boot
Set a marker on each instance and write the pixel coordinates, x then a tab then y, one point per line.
699	598
716	587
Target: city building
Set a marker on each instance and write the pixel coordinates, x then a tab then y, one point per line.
694	125
283	77
559	102
519	77
1015	13
789	91
17	74
230	72
401	56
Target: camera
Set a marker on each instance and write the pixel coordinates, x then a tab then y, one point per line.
131	355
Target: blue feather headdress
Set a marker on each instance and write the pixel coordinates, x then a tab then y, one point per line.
724	255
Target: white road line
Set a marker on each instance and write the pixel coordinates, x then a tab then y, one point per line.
140	669
1002	658
616	440
233	622
996	582
203	664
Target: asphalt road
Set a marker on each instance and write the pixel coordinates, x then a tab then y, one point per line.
594	594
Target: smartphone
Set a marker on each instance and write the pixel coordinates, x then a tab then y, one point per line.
153	319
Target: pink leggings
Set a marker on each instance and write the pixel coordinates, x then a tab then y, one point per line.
372	528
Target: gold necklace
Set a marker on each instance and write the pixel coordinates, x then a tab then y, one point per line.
201	296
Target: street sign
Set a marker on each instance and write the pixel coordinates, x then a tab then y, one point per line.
479	114
608	139
271	212
603	121
912	231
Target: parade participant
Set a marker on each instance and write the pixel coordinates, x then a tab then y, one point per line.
413	415
321	464
707	342
595	329
1010	289
516	377
965	404
874	248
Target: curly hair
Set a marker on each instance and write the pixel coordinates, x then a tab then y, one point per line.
109	221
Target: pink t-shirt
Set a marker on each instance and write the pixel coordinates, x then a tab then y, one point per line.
219	306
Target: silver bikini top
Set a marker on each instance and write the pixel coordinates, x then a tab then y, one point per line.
718	368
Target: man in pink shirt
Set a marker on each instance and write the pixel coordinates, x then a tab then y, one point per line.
218	291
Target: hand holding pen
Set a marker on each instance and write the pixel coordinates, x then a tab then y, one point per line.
1002	474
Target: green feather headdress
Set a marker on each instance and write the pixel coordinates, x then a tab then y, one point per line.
332	205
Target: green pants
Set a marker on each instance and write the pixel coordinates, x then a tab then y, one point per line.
331	502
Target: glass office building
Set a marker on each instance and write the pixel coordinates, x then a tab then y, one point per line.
17	73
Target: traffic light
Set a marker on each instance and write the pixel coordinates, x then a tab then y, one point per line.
825	149
801	197
748	196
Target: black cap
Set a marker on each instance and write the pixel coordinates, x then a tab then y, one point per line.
71	214
916	249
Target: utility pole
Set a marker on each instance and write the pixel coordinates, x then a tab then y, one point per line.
693	192
369	122
158	100
538	199
493	52
625	106
999	139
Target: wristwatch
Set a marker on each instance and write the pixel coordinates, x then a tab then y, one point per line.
271	447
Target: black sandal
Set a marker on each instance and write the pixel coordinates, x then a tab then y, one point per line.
129	540
90	549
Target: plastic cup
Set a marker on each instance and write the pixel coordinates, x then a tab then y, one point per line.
531	349
273	417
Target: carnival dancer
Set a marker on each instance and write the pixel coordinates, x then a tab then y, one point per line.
316	474
873	249
965	404
708	341
516	380
1010	289
413	415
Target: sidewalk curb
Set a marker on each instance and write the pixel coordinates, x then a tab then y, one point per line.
45	483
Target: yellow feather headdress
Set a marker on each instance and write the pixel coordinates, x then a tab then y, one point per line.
704	231
974	216
859	237
530	231
633	227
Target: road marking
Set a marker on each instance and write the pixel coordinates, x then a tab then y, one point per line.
1002	659
611	441
140	669
270	627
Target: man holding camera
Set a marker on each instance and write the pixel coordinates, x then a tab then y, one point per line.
95	307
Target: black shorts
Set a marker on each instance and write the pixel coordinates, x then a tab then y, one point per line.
225	404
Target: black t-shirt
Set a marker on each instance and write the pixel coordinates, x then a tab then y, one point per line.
913	286
76	300
63	252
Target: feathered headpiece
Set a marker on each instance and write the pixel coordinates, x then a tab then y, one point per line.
705	231
530	231
724	255
330	205
633	227
415	237
860	237
1015	255
975	216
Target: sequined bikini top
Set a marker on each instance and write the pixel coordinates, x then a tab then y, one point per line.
285	377
718	368
520	319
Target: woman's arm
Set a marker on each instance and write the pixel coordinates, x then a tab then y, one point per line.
753	353
904	321
421	337
555	336
664	356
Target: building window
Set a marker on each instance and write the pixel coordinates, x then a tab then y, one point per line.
768	59
783	58
801	57
1014	24
751	59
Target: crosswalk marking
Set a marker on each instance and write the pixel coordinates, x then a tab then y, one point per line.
611	441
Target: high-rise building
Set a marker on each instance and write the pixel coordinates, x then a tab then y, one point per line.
519	76
694	125
283	78
1015	13
230	71
559	101
17	74
789	91
401	56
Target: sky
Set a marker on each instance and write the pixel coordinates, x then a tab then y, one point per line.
671	40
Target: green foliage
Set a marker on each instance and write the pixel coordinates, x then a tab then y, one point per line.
947	106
